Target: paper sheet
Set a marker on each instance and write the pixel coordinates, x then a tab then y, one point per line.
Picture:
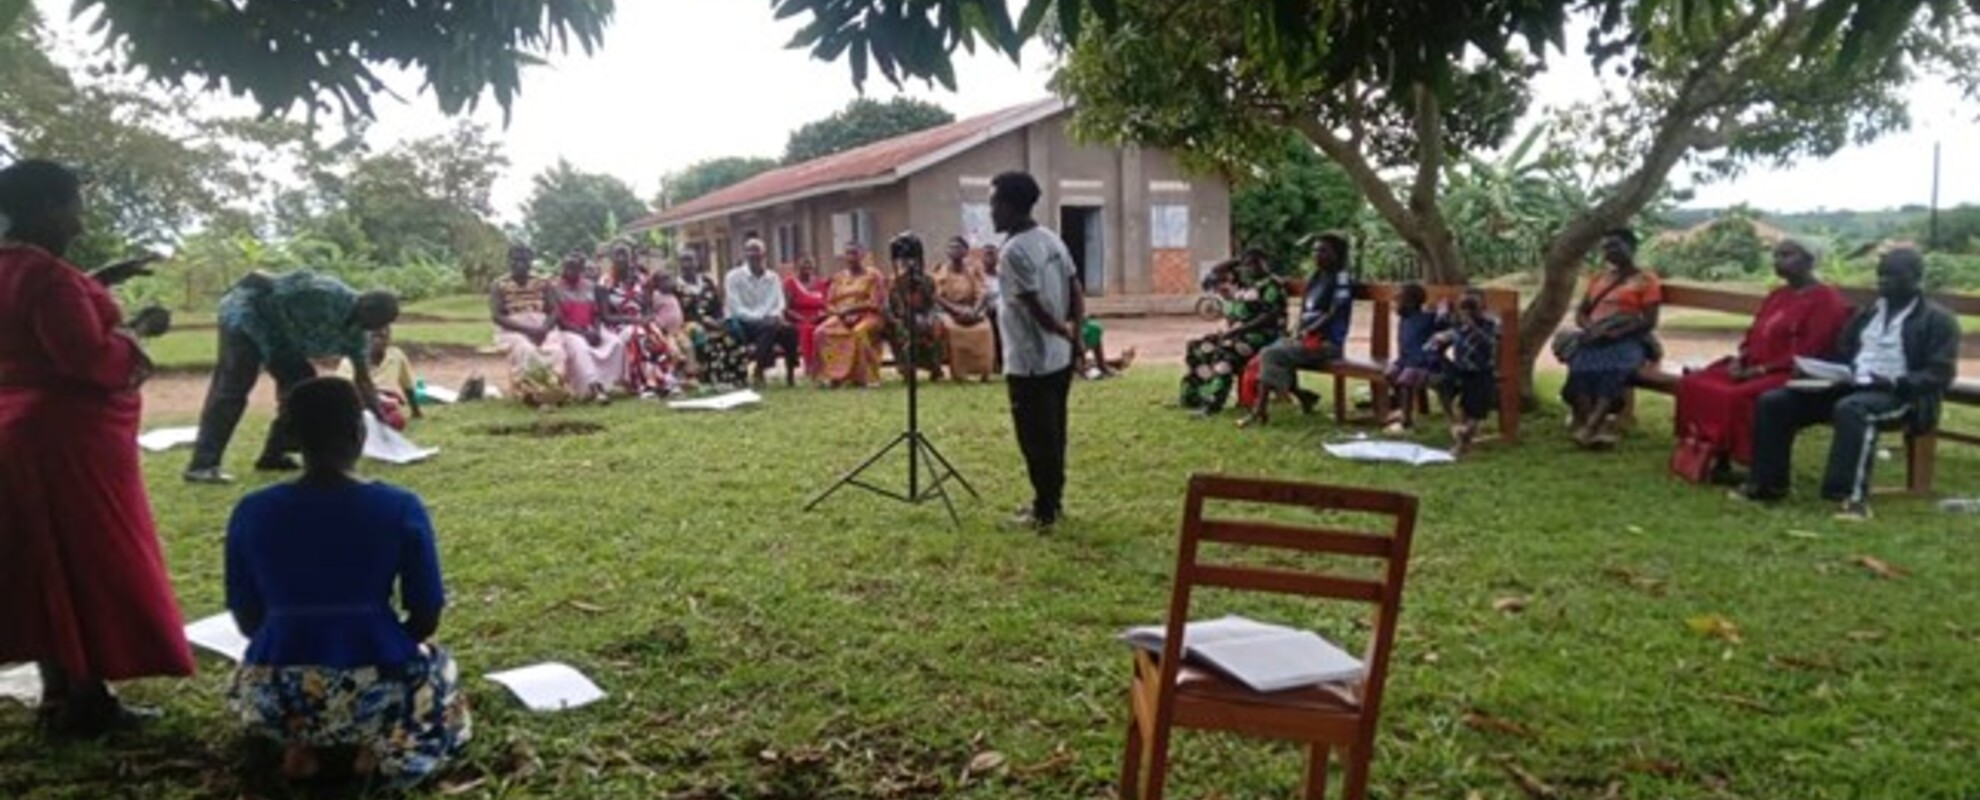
441	394
381	443
549	686
21	682
720	402
1409	453
159	440
1826	370
218	634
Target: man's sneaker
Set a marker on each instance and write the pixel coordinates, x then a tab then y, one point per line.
208	475
1753	494
278	464
1853	511
1026	519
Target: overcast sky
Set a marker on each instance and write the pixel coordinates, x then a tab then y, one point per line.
683	80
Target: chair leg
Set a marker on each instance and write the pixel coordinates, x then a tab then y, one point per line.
1920	459
1131	760
1314	785
1158	766
1340	400
1355	787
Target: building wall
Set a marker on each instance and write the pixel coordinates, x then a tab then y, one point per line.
1125	184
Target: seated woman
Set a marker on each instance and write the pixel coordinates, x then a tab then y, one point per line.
671	320
1255	317
628	314
723	361
911	309
1615	321
596	356
804	309
965	314
391	371
334	675
526	332
1715	405
849	338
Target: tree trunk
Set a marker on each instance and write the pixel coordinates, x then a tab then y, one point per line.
1420	222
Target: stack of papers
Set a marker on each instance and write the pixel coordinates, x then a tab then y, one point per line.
159	440
549	686
1262	656
22	682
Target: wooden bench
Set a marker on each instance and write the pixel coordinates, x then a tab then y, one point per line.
1502	304
1920	451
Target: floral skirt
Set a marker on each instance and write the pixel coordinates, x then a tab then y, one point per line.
1602	370
1211	368
724	361
413	716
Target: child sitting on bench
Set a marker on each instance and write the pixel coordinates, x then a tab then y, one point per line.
1467	384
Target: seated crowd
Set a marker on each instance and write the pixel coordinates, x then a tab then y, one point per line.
586	336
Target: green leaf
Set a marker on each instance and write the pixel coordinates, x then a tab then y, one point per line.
1069	18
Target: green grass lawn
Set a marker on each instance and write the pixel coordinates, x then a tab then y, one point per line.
866	650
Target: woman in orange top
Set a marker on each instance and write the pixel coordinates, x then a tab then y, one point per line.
849	338
1616	319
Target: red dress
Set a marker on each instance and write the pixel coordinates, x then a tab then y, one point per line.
804	308
81	577
1715	408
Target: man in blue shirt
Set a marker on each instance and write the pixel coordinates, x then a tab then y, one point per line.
279	323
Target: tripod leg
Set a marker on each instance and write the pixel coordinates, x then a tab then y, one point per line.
950	468
938	488
854	473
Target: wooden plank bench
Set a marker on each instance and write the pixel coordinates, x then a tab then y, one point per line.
1502	304
1920	451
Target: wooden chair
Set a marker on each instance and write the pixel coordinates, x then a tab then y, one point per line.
1166	694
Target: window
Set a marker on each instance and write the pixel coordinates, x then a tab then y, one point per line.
852	226
976	224
786	245
1168	226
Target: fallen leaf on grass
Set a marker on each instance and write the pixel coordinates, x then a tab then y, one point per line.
451	789
1879	567
1742	701
1528	782
1059	760
1480	721
1715	626
1509	605
986	761
1640	582
1864	636
1633	528
588	608
1803	535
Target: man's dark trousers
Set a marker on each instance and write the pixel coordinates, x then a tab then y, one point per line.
1038	412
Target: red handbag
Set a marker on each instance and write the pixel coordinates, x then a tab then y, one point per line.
1691	458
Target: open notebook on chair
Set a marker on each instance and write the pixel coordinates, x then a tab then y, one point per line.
1262	656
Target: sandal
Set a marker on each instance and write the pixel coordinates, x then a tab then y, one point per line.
1249	420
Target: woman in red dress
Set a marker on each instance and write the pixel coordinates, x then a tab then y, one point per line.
81	577
1801	318
804	308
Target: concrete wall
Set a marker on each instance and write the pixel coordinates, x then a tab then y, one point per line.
1122	182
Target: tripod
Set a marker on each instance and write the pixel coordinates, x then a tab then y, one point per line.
921	453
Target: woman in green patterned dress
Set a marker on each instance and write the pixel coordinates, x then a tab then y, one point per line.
1255	317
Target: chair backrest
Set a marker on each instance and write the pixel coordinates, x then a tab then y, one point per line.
1391	547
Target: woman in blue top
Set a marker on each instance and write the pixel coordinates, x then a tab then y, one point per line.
333	673
1325	311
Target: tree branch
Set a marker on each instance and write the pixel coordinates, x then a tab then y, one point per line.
1378	192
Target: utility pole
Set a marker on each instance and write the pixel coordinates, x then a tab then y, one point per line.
1932	232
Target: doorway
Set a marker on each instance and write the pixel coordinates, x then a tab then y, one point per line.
1084	230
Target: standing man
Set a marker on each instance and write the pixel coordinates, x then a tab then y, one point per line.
1903	351
279	323
1040	308
754	307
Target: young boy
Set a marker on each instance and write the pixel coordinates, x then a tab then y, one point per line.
1468	387
1414	363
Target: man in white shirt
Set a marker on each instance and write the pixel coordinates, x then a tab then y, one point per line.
1904	351
753	305
1037	319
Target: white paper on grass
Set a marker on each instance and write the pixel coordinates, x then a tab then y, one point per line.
441	394
720	402
21	682
381	443
218	634
549	686
159	440
1409	453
